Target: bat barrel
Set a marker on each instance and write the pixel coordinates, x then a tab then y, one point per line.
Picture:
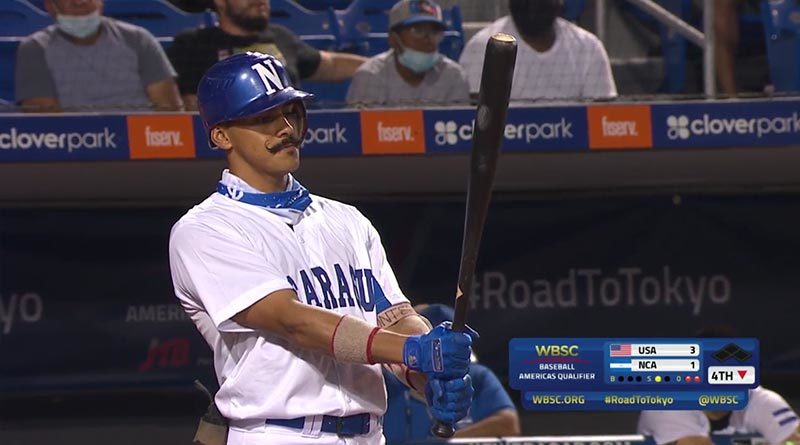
493	97
495	89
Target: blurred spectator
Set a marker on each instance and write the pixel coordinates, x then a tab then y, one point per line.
492	413
89	61
766	413
727	34
413	70
555	58
244	26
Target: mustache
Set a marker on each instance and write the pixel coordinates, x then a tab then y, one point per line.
283	143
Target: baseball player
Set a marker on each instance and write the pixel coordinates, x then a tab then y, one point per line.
297	286
766	413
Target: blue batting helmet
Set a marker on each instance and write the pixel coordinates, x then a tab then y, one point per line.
244	85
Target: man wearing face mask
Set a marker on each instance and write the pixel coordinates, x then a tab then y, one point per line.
555	60
413	70
88	62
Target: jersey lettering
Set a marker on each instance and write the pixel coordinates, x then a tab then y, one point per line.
325	283
369	304
269	76
362	289
311	294
344	287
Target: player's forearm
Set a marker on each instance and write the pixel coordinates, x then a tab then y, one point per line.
503	423
321	330
409	323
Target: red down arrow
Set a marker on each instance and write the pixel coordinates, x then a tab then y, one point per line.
742	373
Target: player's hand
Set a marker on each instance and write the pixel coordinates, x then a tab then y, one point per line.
441	353
449	400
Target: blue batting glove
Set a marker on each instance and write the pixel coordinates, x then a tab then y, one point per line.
441	353
449	400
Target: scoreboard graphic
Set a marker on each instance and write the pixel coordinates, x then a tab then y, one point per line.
572	374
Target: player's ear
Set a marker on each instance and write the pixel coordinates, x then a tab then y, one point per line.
220	138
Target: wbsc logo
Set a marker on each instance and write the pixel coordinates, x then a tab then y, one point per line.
681	127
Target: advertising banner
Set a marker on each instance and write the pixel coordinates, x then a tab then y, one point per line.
63	138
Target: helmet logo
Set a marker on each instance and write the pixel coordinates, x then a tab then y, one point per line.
269	76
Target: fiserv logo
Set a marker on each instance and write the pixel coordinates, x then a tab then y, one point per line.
614	127
681	127
392	132
21	140
161	137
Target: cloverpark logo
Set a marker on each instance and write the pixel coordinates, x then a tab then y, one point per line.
447	133
682	127
678	127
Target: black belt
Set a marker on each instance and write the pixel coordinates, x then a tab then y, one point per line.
349	426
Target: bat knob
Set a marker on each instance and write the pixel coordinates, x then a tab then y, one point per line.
443	430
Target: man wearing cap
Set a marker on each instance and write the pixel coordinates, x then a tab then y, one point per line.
413	70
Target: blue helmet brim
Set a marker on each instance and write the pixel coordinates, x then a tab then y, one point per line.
264	104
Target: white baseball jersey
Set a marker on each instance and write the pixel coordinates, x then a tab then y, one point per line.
575	67
766	413
226	255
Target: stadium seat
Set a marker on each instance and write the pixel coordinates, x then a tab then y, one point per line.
323	5
313	27
782	33
573	9
38	3
326	94
363	28
157	16
453	41
6	106
18	18
363	23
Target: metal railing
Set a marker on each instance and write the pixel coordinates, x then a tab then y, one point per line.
704	39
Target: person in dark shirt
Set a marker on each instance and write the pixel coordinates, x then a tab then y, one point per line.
244	26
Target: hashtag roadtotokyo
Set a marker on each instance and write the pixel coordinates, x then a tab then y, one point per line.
585	287
638	399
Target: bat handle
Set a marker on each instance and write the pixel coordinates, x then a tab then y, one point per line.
443	430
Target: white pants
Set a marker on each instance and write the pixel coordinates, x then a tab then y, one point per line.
279	435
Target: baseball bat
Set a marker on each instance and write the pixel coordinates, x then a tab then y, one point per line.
487	136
